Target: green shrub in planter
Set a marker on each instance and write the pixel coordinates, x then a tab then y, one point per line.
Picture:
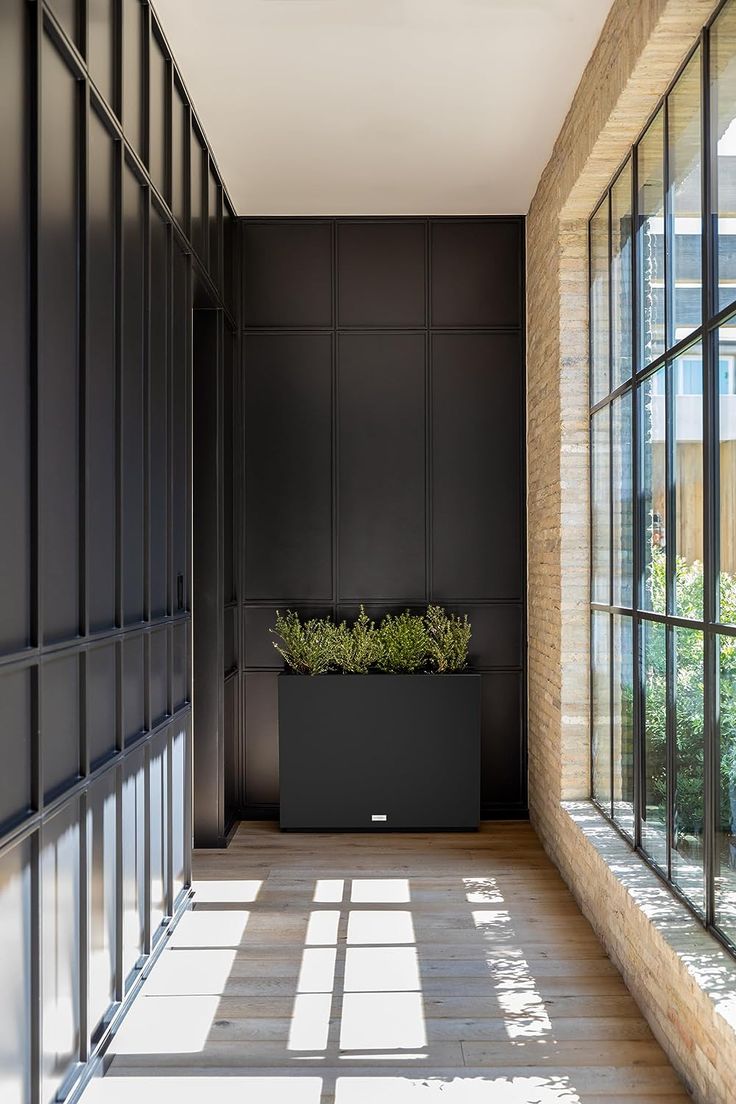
357	649
402	644
306	648
448	639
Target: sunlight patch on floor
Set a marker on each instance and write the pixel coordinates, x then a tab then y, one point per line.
374	927
210	928
166	1025
382	1021
196	1090
380	891
381	969
226	892
456	1090
190	972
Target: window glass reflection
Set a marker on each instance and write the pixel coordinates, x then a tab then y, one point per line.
601	735
727	470
688	468
621	250
623	512
723	107
653	479
685	173
601	514
623	722
689	780
650	166
599	310
725	886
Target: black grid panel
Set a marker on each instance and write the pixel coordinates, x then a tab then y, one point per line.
383	460
97	274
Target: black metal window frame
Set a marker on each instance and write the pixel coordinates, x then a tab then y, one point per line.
706	337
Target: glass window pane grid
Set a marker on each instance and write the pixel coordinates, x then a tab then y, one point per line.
715	384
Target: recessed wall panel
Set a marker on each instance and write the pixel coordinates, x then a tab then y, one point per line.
102	890
158	115
134	717
158	675
197	195
100	400
60	723
58	351
60	950
382	488
134	861
179	158
133	107
180	381
101	711
381	273
476	272
158	819
288	402
477	525
15	973
262	746
132	396
287	273
502	746
214	226
15	726
15	393
101	46
158	448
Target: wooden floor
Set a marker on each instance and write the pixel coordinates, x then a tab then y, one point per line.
384	969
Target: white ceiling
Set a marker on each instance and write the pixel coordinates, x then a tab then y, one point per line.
328	107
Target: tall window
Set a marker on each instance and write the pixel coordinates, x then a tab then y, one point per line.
662	255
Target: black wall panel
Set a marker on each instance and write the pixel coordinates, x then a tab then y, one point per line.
134	372
60	723
101	702
383	378
58	350
381	492
15	394
477	474
381	270
288	483
477	272
96	280
287	274
159	416
101	46
101	381
15	724
132	73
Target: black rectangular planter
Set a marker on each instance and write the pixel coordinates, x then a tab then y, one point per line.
379	752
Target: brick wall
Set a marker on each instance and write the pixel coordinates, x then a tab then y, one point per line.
637	55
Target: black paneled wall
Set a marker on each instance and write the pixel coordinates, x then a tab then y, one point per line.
98	275
383	374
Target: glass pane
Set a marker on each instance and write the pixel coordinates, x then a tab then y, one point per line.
653	481
689	781
623	722
723	108
725	886
60	949
727	463
599	320
15	974
621	249
102	850
688	467
651	241
600	651
623	514
654	818
685	168
601	515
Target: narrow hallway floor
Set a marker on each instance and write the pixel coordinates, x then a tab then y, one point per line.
384	969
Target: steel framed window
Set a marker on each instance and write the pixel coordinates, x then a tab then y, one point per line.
663	688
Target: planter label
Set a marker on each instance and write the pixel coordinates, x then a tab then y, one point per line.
378	816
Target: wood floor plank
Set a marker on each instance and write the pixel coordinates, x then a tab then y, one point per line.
319	960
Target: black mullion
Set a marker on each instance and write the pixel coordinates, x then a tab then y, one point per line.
711	475
637	528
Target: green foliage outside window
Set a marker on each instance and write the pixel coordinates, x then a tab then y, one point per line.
436	641
689	687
